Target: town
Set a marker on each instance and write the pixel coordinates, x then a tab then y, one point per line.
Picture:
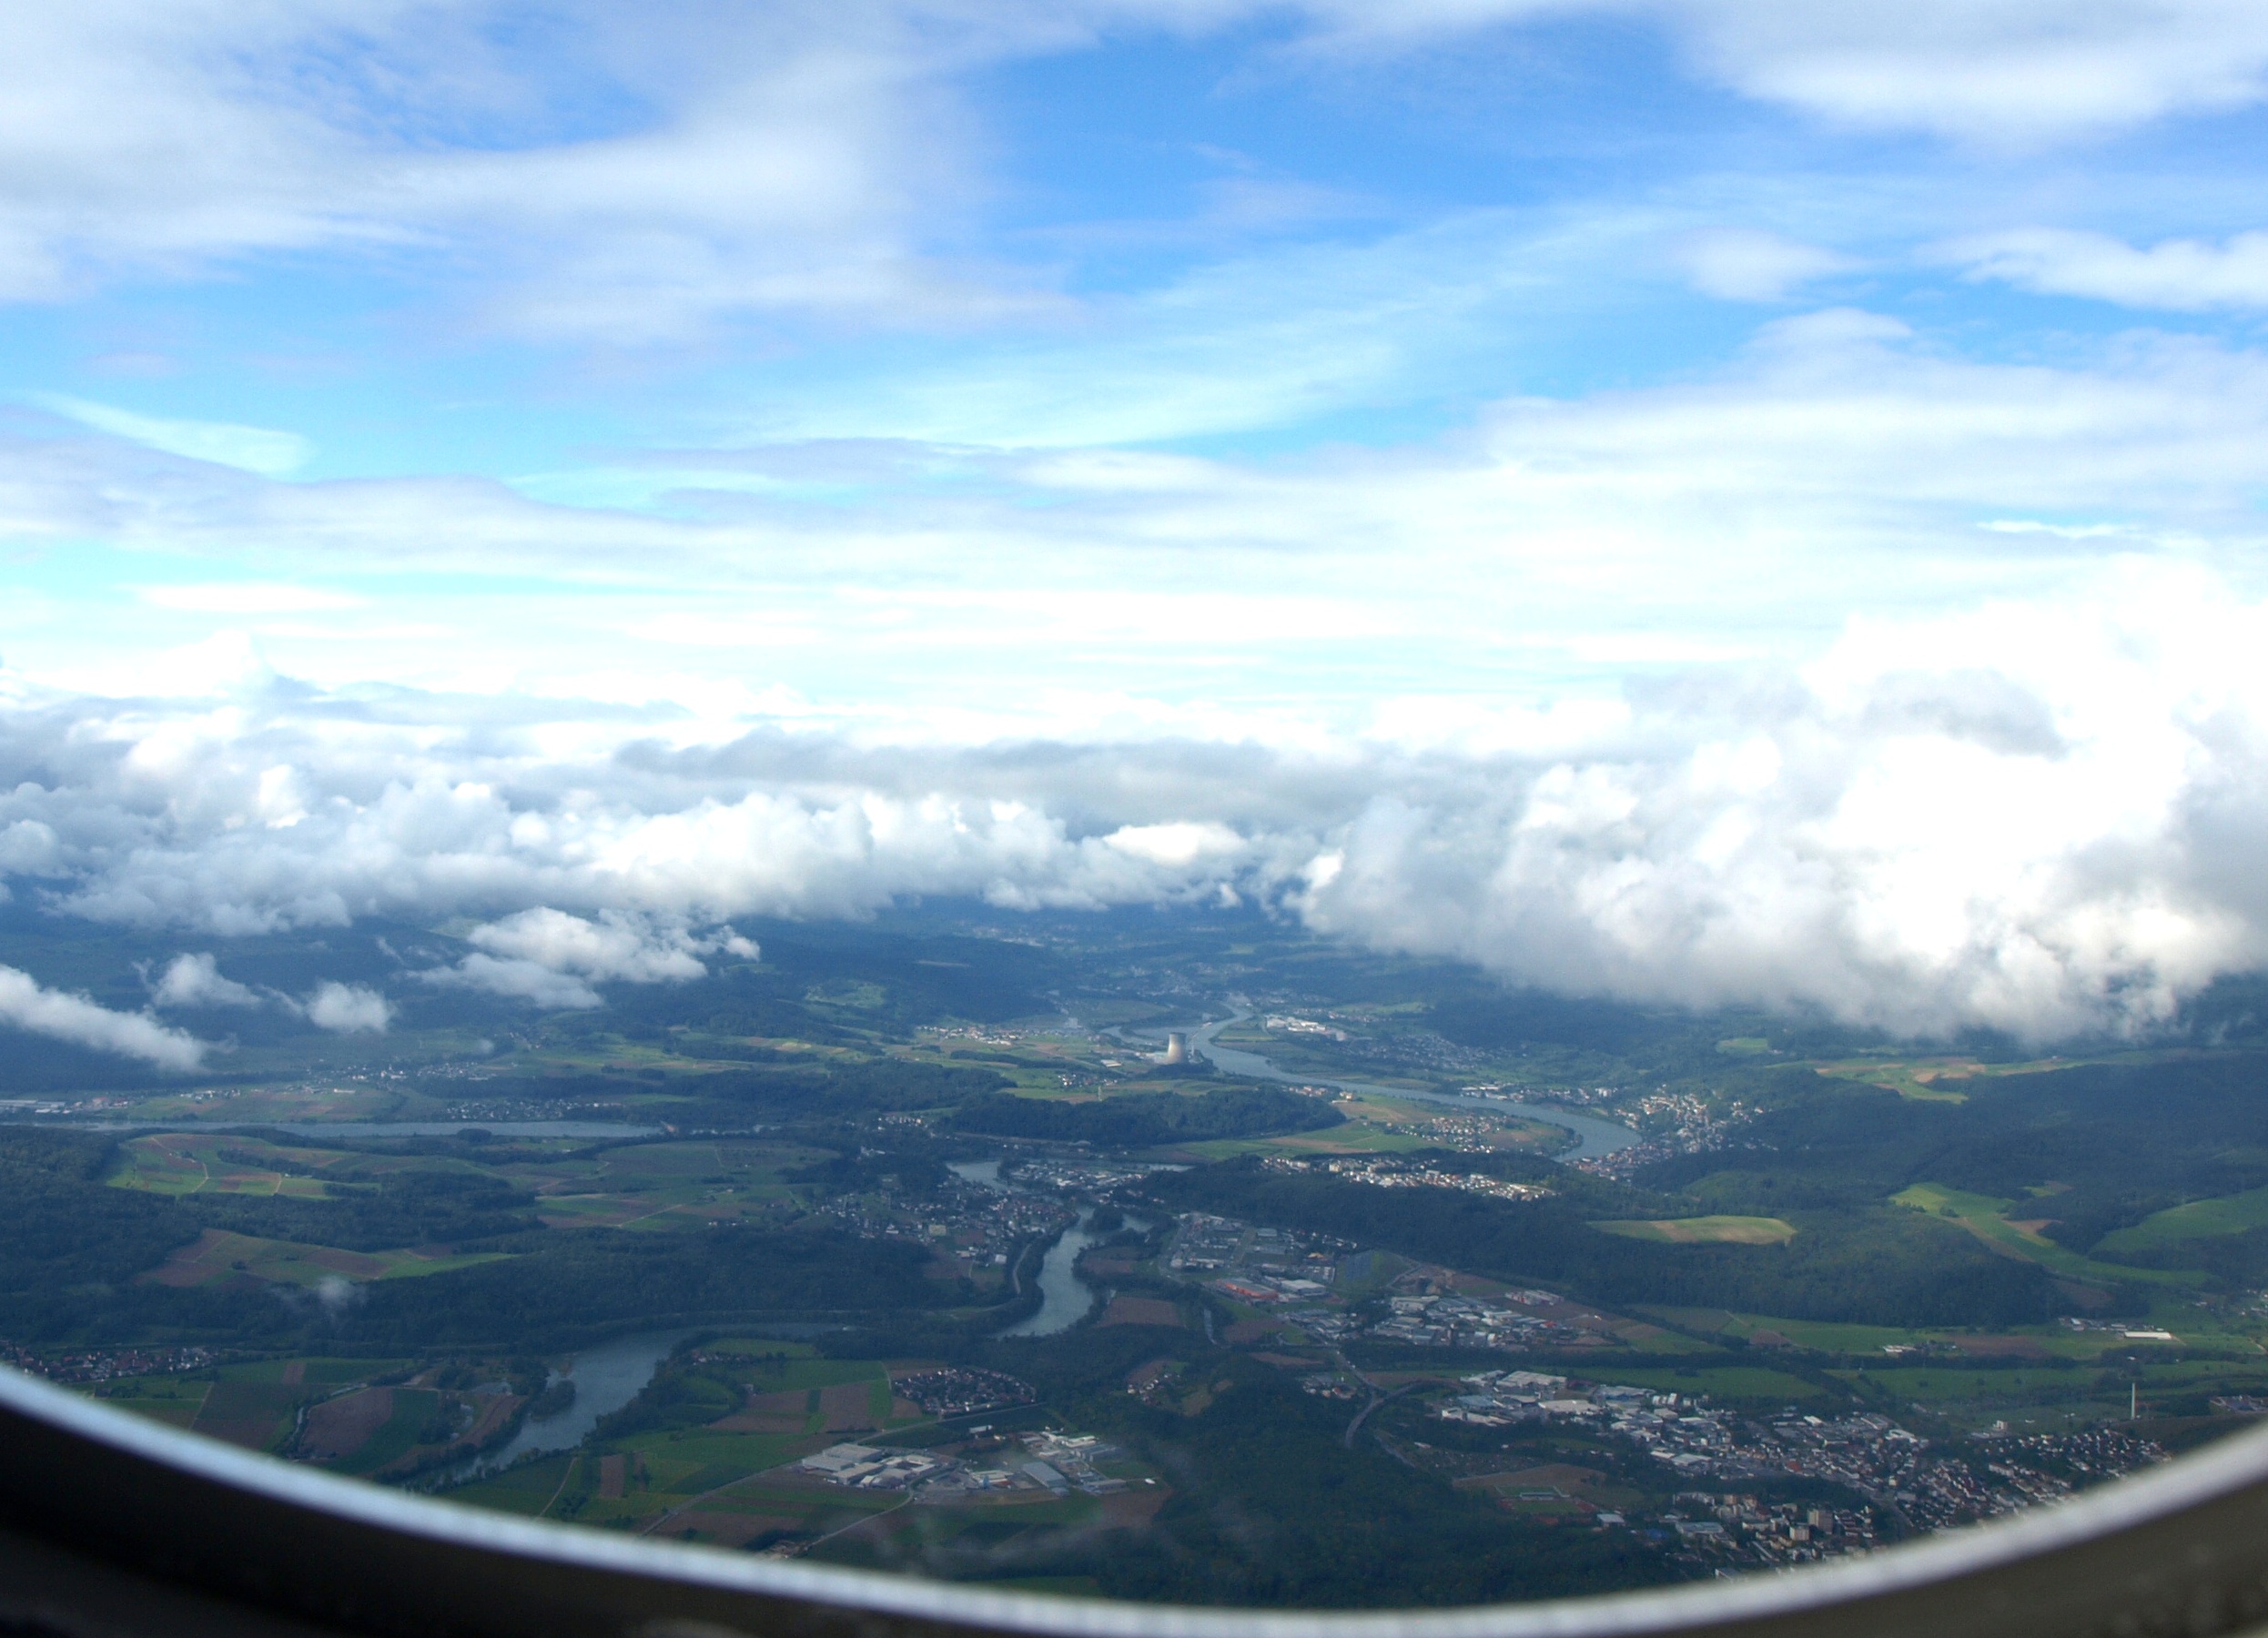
1924	1486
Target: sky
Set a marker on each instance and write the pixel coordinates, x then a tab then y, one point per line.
1694	501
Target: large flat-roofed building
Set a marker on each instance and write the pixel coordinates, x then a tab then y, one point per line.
838	1459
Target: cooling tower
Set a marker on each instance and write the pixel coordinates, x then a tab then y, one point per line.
1176	1048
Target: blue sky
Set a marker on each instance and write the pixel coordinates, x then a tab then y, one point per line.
1434	401
783	287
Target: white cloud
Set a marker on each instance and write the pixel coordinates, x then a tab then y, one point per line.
518	979
196	981
1078	679
1838	462
2048	815
246	597
348	1009
627	182
552	958
1178	845
612	946
2181	275
639	184
259	450
2040	817
1740	264
1995	71
25	1005
27	847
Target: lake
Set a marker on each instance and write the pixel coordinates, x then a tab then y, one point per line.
606	1378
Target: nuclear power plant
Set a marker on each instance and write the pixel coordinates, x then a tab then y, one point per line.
1177	1047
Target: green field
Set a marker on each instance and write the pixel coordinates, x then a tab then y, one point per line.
2198	1219
1752	1384
174	1400
1355	1138
2193	1327
1704	1231
188	1163
664	1186
1376	1124
1983	1217
413	1408
528	1489
220	1255
1934	1386
706	1471
1821	1336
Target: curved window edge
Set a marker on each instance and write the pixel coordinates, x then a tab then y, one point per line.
120	1525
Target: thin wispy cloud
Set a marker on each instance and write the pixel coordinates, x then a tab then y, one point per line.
271	453
2176	275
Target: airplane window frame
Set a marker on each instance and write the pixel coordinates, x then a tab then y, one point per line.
115	1525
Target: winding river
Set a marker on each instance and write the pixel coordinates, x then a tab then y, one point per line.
1596	1134
360	1129
1065	1298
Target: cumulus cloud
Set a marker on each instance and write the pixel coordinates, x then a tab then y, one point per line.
2180	275
25	1005
1181	844
518	980
551	958
2043	818
196	981
2048	815
611	947
348	1009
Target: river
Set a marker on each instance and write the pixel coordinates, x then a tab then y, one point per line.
1596	1134
1065	1298
362	1129
606	1378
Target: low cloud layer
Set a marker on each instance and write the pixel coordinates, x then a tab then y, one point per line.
2048	816
27	1005
196	980
552	959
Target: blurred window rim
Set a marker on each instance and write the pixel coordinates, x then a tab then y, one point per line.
111	1523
